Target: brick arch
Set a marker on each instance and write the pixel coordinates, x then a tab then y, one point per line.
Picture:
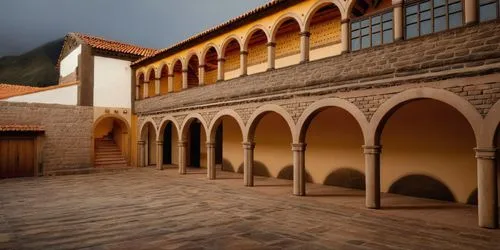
390	106
490	126
218	119
226	42
259	114
281	20
143	126
163	124
187	122
206	49
317	6
174	62
308	115
251	31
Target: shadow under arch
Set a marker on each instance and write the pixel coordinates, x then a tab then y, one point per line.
346	177
423	186
286	173
259	169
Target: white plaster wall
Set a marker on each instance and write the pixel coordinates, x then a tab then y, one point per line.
65	95
70	62
112	80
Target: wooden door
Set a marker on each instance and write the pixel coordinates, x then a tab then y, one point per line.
17	157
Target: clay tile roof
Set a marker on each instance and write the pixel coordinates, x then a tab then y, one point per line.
216	28
115	46
24	128
9	90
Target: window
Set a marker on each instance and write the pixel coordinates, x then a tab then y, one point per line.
488	10
372	31
432	16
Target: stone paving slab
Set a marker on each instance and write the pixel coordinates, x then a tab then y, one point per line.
150	209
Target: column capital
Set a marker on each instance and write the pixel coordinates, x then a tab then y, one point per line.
210	144
305	33
346	20
157	79
486	153
170	75
248	145
141	142
159	143
397	3
372	149
299	147
146	82
221	59
244	52
184	70
271	44
202	66
182	143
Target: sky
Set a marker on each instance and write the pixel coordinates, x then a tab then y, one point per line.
27	24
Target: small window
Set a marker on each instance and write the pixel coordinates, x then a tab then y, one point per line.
372	31
488	10
432	16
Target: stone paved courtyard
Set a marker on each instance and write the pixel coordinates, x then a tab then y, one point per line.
150	209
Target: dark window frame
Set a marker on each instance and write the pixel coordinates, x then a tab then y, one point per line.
369	17
479	5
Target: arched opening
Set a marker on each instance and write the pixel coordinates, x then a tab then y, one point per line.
148	136
111	142
163	80
193	65
177	73
195	136
287	40
232	57
227	135
168	133
427	151
151	83
140	83
211	66
333	155
324	27
257	52
272	139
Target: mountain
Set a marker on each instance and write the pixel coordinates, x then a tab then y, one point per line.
33	68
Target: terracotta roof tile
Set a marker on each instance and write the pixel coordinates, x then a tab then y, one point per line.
17	127
9	90
115	46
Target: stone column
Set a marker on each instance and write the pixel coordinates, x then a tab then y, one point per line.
487	187
304	46
170	86
182	156
141	160
248	148
146	90
271	55
137	90
398	20
299	169
184	79
344	38
243	63
157	86
211	160
201	74
220	69
372	176
159	155
471	12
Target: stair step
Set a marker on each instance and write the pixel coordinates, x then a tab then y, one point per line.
107	154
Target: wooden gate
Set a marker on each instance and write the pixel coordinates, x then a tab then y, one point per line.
17	157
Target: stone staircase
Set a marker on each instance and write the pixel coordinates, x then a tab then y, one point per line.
108	154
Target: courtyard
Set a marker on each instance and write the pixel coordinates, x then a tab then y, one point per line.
150	209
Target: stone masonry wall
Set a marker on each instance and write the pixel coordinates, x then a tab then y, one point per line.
68	132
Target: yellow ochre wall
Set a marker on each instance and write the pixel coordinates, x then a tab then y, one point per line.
151	145
232	150
133	139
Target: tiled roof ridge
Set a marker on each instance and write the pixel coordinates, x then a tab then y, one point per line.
19	90
84	36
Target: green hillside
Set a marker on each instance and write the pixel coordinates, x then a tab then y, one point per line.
34	68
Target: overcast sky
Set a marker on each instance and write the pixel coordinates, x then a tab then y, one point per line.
26	24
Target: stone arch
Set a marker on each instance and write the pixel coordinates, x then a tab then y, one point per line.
187	122
149	70
260	112
160	68
125	144
144	124
317	6
490	126
281	20
206	49
309	114
140	72
163	123
226	42
190	55
174	62
217	120
382	114
114	116
251	31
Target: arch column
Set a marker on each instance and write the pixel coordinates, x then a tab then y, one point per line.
398	20
157	86
170	87
201	74
304	46
182	145
145	91
487	187
271	56
137	90
220	69
141	151
299	169
184	79
243	63
372	175
159	155
211	160
344	30
471	12
248	150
